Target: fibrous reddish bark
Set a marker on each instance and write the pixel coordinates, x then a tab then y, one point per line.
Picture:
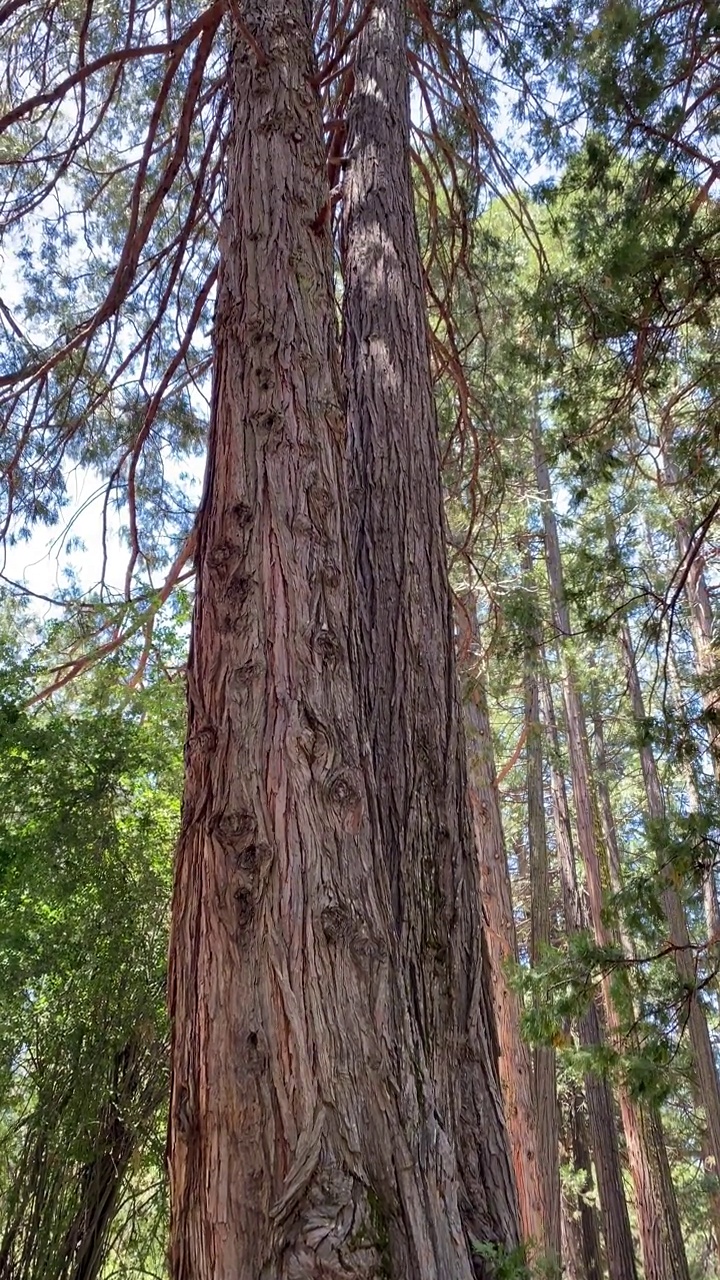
307	1135
515	1063
406	678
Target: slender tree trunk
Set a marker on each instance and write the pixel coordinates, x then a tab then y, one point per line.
573	1261
701	620
514	1059
655	1203
600	1109
610	834
540	937
580	1234
407	681
135	1089
59	1217
607	817
307	1135
711	905
702	1051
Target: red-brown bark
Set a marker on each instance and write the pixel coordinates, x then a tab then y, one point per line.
310	1136
515	1063
406	679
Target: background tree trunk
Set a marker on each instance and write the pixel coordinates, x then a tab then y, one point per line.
708	1086
711	904
602	1124
701	617
540	935
581	1237
515	1063
655	1202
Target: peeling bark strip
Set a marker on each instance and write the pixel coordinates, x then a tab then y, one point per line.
407	680
306	1139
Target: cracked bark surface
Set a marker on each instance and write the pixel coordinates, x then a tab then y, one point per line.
308	1139
407	682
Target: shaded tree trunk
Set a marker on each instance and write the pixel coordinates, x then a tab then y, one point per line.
711	904
602	1125
135	1083
607	818
406	680
58	1215
515	1063
580	1235
701	618
655	1202
573	1262
311	1132
708	1085
540	936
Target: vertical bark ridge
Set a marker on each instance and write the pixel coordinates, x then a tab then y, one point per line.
305	1140
407	681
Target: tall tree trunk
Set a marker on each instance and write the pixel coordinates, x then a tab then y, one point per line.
580	1235
702	1050
711	904
655	1202
307	1137
540	934
600	1109
514	1059
407	680
701	619
607	818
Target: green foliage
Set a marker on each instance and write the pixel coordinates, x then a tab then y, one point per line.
89	802
515	1264
504	1264
591	310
